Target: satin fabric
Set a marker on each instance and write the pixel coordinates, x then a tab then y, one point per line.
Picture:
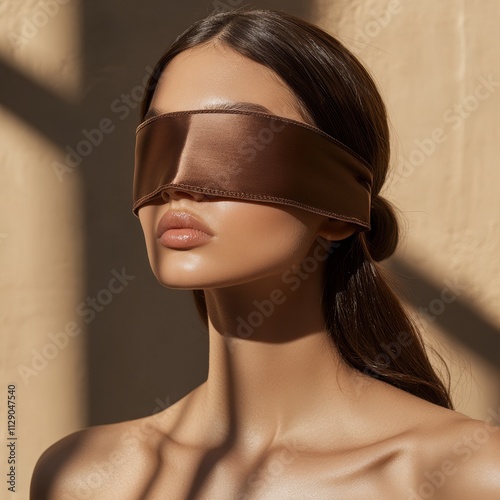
251	156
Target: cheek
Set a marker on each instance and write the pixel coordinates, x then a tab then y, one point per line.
252	241
264	236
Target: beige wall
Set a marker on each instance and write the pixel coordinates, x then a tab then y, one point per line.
67	233
62	239
41	240
437	67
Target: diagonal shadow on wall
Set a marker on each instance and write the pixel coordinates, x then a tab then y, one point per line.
158	353
58	120
147	348
449	307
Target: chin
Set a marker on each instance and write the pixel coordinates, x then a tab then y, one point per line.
178	278
182	278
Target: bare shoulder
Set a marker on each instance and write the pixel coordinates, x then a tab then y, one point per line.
459	459
443	453
101	462
473	458
84	463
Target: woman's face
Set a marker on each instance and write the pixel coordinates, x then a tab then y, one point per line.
250	240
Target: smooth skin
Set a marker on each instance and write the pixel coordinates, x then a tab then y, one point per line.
280	416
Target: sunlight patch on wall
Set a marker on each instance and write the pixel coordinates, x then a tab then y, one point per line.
42	40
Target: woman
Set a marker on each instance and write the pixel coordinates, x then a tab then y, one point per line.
319	385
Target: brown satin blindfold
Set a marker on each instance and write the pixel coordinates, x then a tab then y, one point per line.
251	156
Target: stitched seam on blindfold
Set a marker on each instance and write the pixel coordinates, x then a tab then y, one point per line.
264	115
240	194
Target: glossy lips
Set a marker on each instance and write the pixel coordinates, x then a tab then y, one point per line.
182	230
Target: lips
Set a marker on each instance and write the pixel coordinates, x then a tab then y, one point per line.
182	231
180	220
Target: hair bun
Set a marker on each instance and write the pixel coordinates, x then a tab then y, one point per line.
382	239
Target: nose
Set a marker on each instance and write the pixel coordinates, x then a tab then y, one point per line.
176	193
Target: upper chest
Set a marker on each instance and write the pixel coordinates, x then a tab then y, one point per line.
289	472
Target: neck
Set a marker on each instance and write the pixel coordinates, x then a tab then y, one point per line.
273	370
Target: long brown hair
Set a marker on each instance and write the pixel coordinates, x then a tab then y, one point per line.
363	315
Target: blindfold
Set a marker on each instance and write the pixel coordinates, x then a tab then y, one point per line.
251	156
